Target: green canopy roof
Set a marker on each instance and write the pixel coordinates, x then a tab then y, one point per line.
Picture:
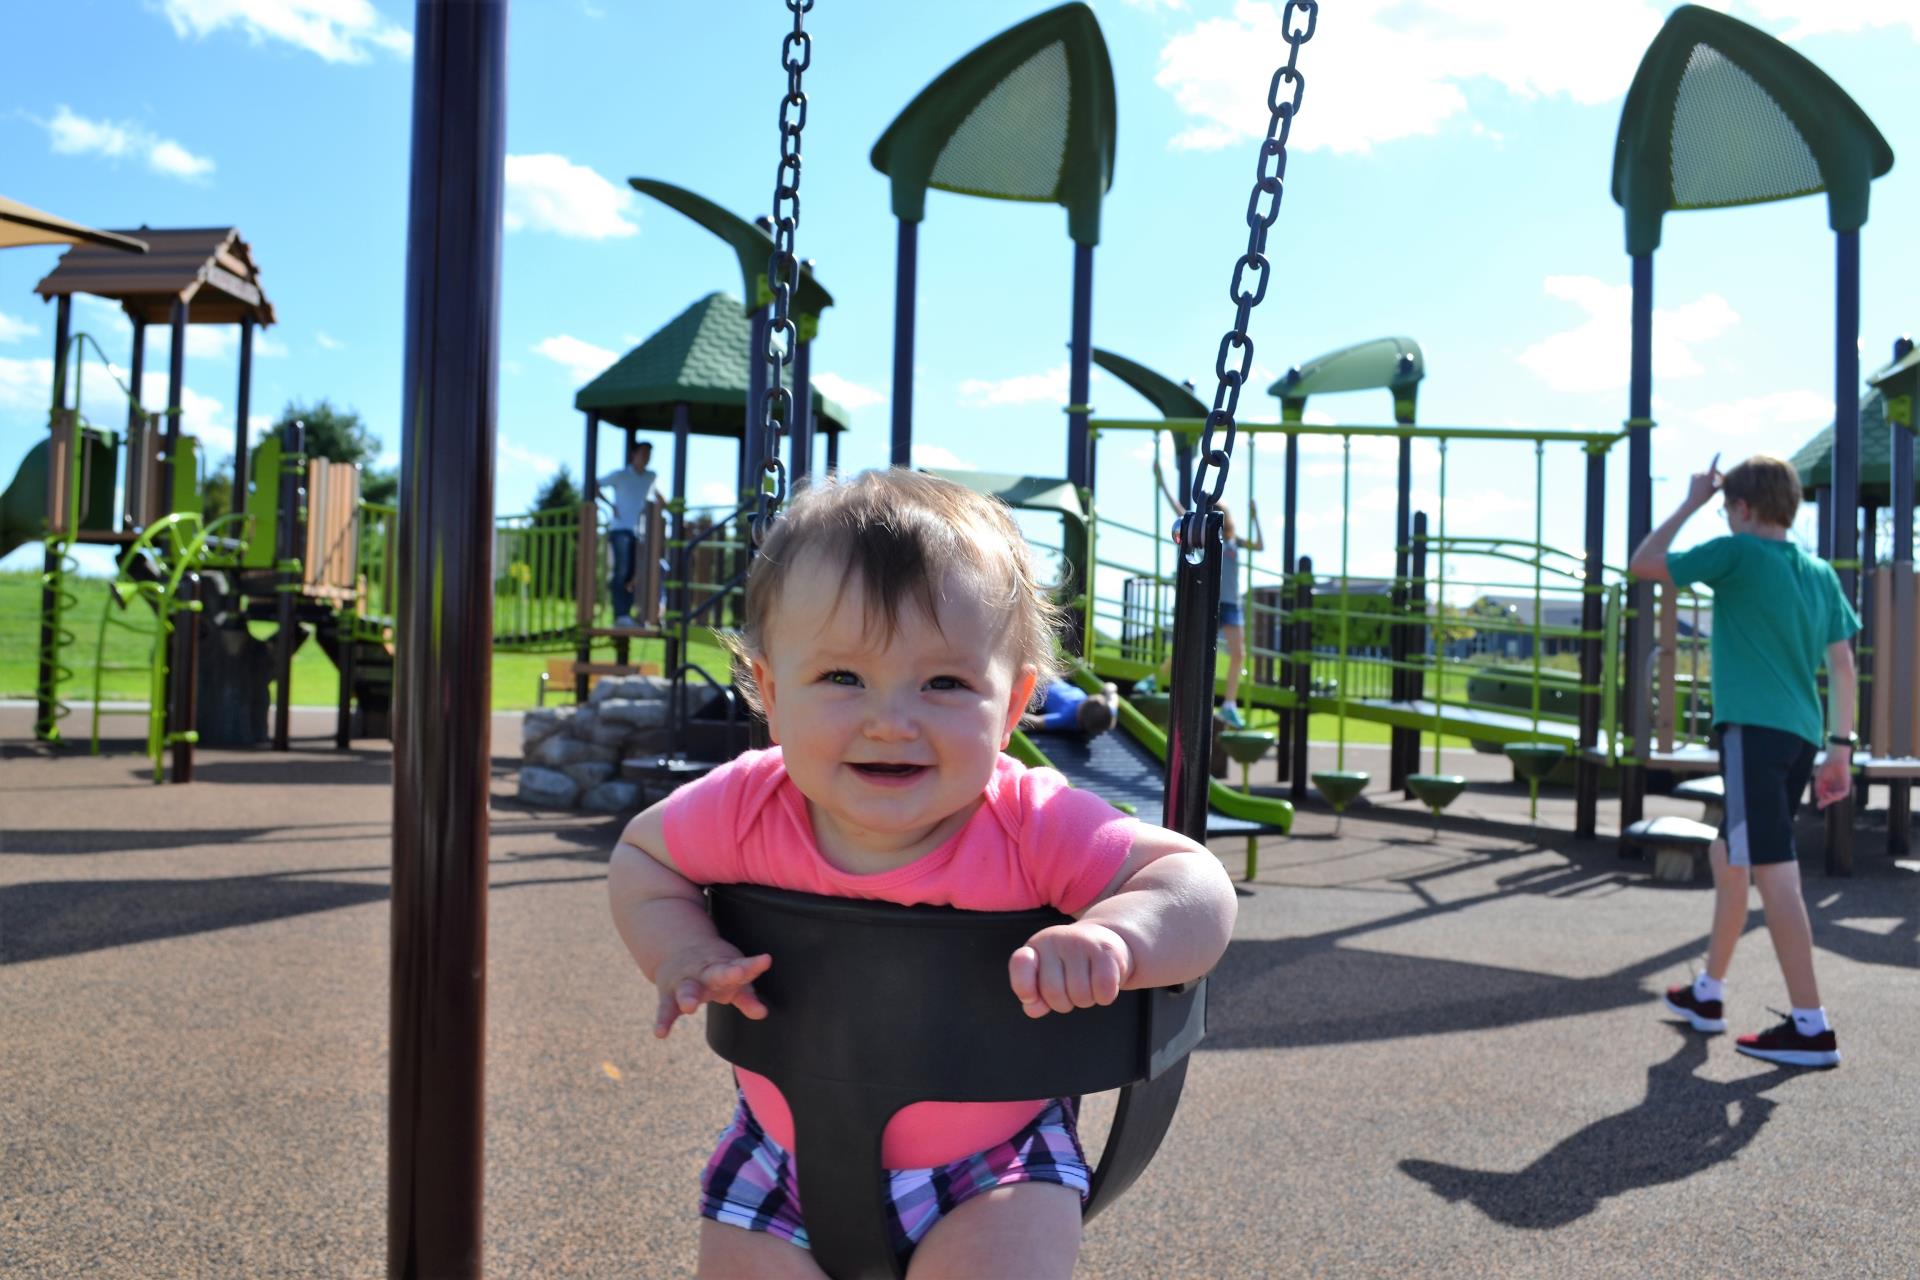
1396	364
1172	399
1025	493
751	244
1028	115
1721	113
699	358
1814	461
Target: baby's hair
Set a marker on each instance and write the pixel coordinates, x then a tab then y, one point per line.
1769	486
900	535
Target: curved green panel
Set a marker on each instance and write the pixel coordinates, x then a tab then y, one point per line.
749	243
1172	399
1720	113
1029	115
1396	364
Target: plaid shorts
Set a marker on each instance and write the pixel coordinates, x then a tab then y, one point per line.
750	1180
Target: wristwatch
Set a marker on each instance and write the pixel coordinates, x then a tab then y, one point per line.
1844	740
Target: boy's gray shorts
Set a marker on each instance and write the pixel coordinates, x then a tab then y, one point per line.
1766	772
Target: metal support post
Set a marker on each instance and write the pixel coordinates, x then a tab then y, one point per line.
444	630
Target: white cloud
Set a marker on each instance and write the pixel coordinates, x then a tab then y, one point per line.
1594	356
269	348
200	415
1152	5
527	457
582	360
169	157
1754	414
850	394
12	330
334	30
1380	70
1836	17
73	134
1027	388
26	384
933	455
551	193
327	341
717	494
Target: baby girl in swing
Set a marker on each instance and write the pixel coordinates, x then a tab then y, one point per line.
896	631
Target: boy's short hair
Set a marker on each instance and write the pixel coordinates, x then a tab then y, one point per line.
1094	716
1769	486
900	534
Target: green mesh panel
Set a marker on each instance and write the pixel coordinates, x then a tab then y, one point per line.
1014	143
1732	144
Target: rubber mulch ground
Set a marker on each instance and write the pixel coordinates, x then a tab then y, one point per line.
1427	1057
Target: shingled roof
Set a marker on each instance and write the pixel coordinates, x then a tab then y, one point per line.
699	358
211	269
1814	461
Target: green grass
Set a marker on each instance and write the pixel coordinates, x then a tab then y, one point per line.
516	676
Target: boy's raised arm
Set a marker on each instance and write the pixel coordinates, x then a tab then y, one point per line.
1649	563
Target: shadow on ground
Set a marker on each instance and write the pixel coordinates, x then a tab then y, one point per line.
1684	1126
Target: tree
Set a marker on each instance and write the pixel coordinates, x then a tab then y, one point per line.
339	435
559	493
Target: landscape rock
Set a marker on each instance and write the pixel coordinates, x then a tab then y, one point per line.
608	734
590	773
615	796
629	689
562	750
547	788
537	726
633	713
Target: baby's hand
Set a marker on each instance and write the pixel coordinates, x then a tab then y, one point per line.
1068	967
710	971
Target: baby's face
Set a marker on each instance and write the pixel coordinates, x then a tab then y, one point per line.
891	740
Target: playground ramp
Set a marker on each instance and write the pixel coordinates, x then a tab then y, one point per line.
1125	767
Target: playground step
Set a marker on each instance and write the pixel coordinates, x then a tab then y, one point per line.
1679	844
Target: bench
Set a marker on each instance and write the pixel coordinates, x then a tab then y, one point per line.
1679	845
1709	791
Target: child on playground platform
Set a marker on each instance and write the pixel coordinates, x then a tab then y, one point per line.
1776	611
895	630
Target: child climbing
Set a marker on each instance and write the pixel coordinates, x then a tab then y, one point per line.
1233	615
895	632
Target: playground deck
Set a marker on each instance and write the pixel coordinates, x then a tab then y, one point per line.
1424	1058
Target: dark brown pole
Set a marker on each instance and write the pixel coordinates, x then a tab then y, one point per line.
243	403
137	478
176	385
1586	792
587	547
443	634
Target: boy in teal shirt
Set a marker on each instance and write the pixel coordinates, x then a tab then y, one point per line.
1775	610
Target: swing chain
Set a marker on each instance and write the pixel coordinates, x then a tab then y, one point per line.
783	271
1234	363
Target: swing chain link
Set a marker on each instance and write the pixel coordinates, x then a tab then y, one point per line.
1234	362
783	271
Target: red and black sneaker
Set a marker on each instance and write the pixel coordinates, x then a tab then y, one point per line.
1705	1015
1786	1044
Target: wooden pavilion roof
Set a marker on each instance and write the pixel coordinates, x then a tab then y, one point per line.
211	269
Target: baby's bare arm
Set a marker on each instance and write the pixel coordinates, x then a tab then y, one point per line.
1173	904
1165	919
662	917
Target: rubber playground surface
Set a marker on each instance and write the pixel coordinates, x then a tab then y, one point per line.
1425	1057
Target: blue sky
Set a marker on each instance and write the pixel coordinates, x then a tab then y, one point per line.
1449	181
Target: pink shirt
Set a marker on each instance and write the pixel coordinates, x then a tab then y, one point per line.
1036	842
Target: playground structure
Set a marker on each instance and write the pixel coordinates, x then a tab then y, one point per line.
303	553
1622	710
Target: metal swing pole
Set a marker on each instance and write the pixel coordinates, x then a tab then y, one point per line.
444	640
